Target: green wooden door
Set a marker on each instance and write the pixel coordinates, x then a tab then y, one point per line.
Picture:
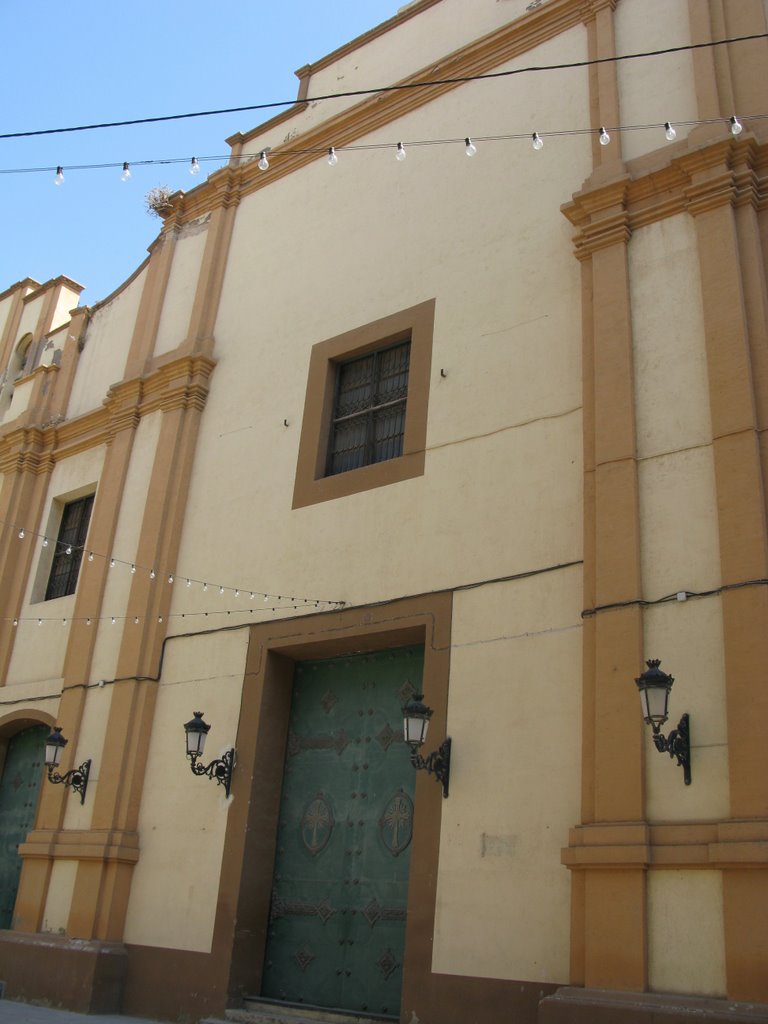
337	923
19	787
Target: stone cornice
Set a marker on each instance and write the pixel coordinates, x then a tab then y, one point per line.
479	57
730	172
179	383
719	844
85	844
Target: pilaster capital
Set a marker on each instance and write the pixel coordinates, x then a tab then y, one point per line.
591	8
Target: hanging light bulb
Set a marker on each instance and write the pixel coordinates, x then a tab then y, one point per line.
69	550
266	598
133	569
39	622
45	542
469	147
114	620
205	587
111	563
221	591
159	618
152	574
605	138
136	620
537	142
251	595
194	166
400	154
21	533
126	175
332	158
237	593
15	622
90	556
59	179
189	583
63	622
88	621
669	132
170	578
736	126
263	162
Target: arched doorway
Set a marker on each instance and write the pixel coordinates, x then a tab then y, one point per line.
19	789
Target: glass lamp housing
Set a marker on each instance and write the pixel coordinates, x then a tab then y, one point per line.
54	747
654	686
196	730
416	716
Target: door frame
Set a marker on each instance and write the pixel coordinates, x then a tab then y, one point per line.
242	917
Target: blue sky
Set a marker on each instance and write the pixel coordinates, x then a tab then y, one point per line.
72	64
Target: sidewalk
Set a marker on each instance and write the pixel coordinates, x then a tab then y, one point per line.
25	1013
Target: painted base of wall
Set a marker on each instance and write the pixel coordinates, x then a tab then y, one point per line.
76	974
602	1006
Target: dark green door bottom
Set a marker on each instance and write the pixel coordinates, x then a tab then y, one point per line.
19	786
337	922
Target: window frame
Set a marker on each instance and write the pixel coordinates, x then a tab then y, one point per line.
312	484
78	548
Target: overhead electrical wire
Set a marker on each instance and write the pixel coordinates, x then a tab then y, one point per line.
378	90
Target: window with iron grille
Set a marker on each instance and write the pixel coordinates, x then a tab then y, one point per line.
368	420
69	548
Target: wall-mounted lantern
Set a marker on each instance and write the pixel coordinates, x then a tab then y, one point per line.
77	778
654	686
416	716
220	769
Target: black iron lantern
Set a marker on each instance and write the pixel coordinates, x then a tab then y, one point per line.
654	686
221	769
416	716
77	778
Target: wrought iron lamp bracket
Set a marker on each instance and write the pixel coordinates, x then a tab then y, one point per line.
220	769
677	744
438	763
77	778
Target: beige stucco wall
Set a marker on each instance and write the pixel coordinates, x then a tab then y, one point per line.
182	820
107	340
63	874
492	451
129	523
653	90
29	317
515	714
67	300
182	285
685	925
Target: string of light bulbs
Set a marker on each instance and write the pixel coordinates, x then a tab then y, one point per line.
90	620
265	157
170	575
398	87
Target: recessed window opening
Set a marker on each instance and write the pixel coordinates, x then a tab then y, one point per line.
65	567
368	421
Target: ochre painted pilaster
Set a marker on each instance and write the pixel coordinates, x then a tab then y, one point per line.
608	906
102	886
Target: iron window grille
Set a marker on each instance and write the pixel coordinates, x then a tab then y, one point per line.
368	421
65	567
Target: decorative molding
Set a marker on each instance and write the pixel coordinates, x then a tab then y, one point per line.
82	844
731	172
180	383
724	844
